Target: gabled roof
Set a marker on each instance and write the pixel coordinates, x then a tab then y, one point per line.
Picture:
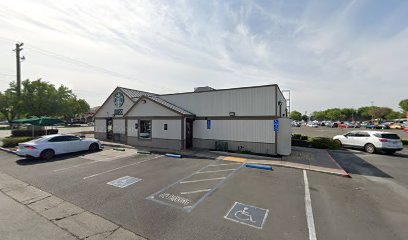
162	103
131	93
170	105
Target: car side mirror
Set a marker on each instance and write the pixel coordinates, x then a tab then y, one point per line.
346	136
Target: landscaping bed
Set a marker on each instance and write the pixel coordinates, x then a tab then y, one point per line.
314	142
10	142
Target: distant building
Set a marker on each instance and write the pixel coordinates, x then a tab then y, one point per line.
240	119
87	117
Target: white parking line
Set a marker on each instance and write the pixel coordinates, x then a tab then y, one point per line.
106	159
111	170
198	191
78	165
203	180
223	170
309	210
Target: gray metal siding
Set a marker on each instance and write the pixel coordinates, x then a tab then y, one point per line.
236	130
264	148
244	102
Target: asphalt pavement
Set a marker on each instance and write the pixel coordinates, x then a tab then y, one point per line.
198	198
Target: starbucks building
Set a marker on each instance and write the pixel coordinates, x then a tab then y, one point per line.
244	119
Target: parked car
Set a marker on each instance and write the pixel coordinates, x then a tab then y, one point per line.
47	147
383	126
397	126
406	129
332	125
313	125
371	141
345	125
295	124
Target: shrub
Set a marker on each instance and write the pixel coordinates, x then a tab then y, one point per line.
404	141
29	133
296	136
14	141
300	143
321	142
304	138
247	152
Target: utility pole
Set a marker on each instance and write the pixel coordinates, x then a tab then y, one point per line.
18	66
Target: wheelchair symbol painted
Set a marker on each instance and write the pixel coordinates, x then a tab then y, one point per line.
244	215
247	215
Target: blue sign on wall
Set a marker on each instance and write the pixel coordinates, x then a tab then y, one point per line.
276	125
208	124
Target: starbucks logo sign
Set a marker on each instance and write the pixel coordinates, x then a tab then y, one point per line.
119	99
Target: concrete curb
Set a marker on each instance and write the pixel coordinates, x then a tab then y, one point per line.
7	150
70	218
249	156
296	166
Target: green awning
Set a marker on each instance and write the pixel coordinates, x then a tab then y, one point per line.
39	121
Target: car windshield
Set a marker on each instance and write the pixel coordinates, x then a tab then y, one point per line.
387	136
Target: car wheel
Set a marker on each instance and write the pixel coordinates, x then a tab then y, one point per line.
370	148
338	142
47	154
94	147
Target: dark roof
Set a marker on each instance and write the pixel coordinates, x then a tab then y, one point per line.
135	93
170	105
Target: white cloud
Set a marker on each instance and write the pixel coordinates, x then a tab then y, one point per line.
326	53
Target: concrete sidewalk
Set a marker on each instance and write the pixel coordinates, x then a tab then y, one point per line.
312	159
19	222
30	213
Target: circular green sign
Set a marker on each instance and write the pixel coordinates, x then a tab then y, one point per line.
119	99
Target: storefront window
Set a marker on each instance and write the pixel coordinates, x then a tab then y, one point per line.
145	129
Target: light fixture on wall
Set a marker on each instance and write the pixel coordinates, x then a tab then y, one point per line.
232	114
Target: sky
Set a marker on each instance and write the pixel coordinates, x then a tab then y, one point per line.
327	53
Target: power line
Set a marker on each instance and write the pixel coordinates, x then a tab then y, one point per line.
80	63
89	66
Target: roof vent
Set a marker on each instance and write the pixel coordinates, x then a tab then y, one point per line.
203	89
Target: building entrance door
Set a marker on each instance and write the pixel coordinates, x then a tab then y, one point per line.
109	128
189	132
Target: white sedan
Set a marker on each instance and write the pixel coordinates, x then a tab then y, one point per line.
371	141
48	146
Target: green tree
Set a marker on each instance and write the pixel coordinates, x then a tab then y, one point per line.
295	115
366	113
404	105
73	107
394	115
334	114
305	118
10	105
348	114
39	98
319	115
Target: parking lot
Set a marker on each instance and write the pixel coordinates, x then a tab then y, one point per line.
159	197
331	132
